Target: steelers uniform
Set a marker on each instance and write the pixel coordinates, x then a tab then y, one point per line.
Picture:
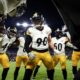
4	43
40	46
21	54
38	40
75	59
36	69
39	63
59	51
4	61
76	54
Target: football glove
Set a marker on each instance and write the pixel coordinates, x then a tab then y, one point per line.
31	55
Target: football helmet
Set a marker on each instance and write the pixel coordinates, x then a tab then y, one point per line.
58	33
37	19
12	32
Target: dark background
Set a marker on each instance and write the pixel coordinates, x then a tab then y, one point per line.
67	12
48	10
44	7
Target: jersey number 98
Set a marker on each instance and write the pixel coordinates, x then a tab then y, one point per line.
42	41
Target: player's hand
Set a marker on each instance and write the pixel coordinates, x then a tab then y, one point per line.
31	56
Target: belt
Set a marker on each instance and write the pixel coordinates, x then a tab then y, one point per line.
45	50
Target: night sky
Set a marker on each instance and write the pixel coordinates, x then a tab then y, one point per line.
44	7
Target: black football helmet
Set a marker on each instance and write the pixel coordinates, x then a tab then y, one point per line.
58	33
37	19
12	32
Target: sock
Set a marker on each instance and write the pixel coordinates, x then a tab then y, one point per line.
35	71
16	73
4	73
28	73
77	76
64	74
50	74
74	70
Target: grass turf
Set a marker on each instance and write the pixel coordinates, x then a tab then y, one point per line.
41	75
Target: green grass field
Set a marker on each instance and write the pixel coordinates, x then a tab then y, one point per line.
41	75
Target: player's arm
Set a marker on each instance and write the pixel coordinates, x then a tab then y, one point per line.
27	47
69	44
51	47
21	42
68	35
28	41
50	42
5	43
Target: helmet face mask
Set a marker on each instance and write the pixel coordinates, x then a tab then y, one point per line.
12	32
37	20
58	33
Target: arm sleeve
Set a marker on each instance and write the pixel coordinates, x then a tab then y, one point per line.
71	45
28	40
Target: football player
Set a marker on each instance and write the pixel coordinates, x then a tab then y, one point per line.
11	8
5	41
75	60
38	36
75	54
66	32
21	56
59	41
